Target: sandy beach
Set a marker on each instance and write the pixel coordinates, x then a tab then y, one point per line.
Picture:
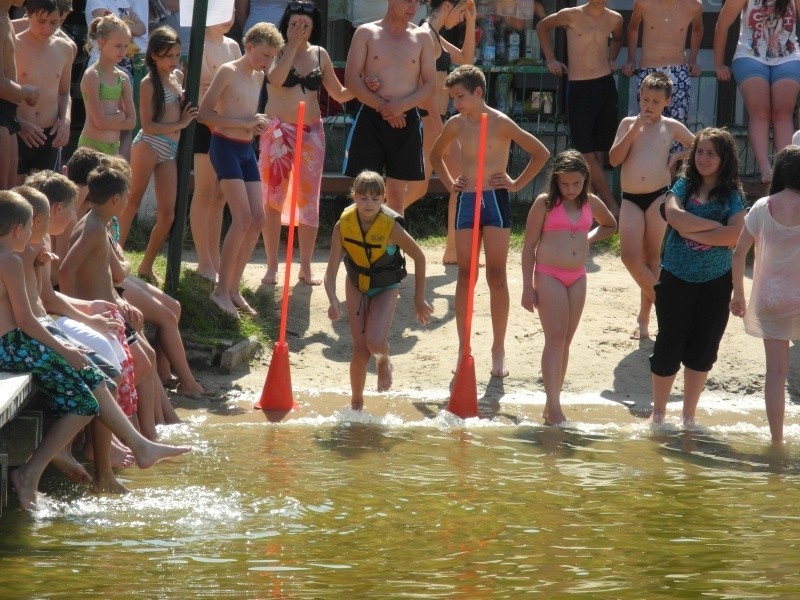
608	377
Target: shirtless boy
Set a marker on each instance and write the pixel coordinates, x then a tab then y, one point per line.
642	146
467	86
44	60
12	93
386	134
76	392
205	214
230	107
665	24
591	91
85	273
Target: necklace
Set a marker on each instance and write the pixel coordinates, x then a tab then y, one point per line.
669	14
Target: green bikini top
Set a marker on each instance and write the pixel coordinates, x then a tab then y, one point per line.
111	92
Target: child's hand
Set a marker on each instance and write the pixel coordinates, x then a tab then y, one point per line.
334	311
556	68
694	70
529	299
423	311
501	181
100	307
259	123
44	257
132	315
104	323
30	94
76	359
723	72
60	133
628	69
459	184
32	135
738	305
188	114
373	83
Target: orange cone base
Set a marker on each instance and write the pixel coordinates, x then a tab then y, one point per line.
277	393
464	395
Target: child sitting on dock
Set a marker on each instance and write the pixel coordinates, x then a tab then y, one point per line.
370	237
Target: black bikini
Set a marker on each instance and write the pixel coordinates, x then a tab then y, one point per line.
311	82
445	60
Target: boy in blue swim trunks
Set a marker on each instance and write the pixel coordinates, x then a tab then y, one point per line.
76	391
230	109
467	86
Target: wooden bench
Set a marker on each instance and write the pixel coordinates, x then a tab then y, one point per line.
16	389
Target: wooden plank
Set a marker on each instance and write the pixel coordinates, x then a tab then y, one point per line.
15	389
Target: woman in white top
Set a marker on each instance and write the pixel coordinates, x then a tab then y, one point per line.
766	67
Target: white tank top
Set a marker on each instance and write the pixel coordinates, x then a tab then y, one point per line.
766	37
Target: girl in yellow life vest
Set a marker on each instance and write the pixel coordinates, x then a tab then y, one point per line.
370	238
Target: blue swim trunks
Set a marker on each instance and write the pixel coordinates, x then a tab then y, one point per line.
233	159
495	209
68	391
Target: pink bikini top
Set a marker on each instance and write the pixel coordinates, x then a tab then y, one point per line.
558	220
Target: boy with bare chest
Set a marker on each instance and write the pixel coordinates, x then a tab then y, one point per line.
466	86
43	60
11	94
386	135
230	107
591	91
665	24
642	146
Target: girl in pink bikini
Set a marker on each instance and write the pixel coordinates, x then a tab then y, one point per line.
557	237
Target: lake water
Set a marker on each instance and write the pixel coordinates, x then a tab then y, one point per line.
353	506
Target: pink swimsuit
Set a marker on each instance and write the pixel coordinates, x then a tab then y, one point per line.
557	219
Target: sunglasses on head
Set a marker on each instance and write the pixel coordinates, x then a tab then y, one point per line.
305	7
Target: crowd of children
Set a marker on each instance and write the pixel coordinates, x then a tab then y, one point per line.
76	323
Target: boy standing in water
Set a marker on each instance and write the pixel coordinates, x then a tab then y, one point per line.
11	94
467	86
230	107
591	91
642	146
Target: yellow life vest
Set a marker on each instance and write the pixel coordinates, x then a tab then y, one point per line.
368	264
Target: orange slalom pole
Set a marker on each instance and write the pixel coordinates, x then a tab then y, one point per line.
464	395
277	393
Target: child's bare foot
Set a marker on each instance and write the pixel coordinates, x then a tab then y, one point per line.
108	486
154	452
357	404
640	332
384	367
149	277
242	305
449	258
66	463
270	278
554	417
190	389
224	303
25	488
499	365
657	417
208	274
309	278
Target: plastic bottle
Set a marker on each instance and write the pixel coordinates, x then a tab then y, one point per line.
513	47
488	48
501	92
500	45
532	48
